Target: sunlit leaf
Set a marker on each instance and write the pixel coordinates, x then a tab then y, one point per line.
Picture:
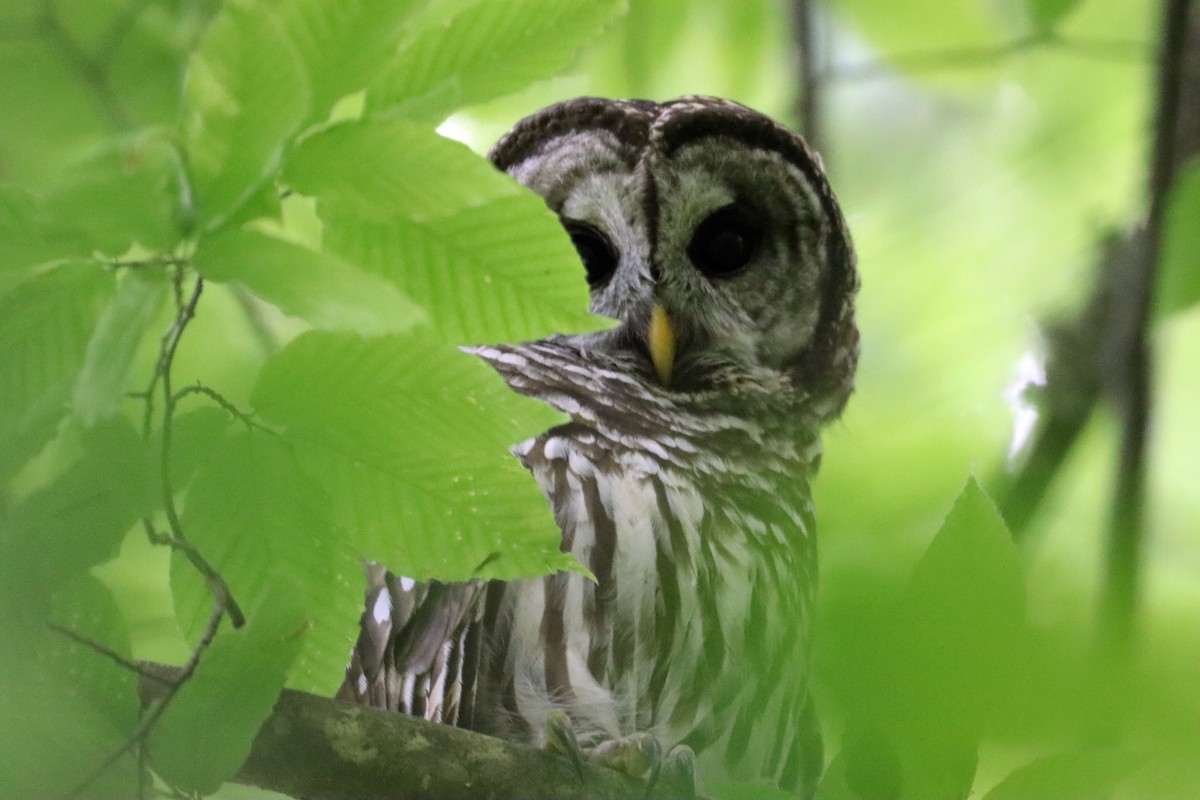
1179	266
206	732
265	526
480	253
410	439
45	325
504	271
386	169
104	378
344	45
317	287
245	96
469	52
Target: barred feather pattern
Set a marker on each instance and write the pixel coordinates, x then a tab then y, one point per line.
693	511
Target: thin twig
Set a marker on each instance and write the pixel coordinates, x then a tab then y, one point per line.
245	417
178	538
147	263
108	653
151	718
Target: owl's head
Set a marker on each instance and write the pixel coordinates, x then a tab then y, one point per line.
710	232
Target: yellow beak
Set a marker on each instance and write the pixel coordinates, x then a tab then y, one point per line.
661	341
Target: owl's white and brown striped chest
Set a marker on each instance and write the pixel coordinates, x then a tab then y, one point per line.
693	630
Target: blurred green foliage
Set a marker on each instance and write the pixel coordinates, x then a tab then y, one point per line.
285	151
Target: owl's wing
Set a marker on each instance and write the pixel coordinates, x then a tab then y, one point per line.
418	648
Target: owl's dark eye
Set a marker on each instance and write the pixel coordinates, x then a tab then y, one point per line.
724	242
596	250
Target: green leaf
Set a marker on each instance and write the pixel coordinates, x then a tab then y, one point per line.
1070	776
1046	14
123	193
245	98
410	439
344	45
1179	265
104	380
482	254
959	642
86	607
24	240
466	53
382	170
196	437
76	84
954	642
206	732
79	519
66	708
866	767
504	271
45	325
965	604
317	287
265	526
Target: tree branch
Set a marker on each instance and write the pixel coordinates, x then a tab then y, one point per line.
810	49
325	749
1132	395
1105	350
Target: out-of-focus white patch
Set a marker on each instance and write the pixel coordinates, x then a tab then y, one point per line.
459	129
1030	371
406	584
382	611
362	684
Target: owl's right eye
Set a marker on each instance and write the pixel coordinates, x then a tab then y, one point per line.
596	250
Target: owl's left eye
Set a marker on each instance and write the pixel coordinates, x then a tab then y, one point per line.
595	250
724	242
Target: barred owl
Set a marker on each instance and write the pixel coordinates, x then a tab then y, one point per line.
682	480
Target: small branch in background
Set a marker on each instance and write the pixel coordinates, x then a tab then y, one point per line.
1105	351
1078	351
1134	369
811	51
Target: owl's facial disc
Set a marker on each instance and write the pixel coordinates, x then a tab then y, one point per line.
707	231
